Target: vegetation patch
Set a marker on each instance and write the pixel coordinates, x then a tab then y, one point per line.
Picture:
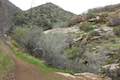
117	31
37	62
72	53
6	65
87	26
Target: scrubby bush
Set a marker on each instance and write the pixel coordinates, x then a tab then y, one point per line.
53	45
91	15
21	19
102	18
86	26
27	36
117	30
72	53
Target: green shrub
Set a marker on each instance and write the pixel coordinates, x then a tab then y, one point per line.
114	58
27	37
21	19
117	31
6	64
86	26
53	44
45	16
72	53
91	15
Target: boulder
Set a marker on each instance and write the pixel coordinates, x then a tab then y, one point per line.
114	21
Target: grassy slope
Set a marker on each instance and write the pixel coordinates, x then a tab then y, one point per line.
6	63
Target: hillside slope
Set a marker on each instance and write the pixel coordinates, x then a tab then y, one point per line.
109	8
92	43
7	10
46	16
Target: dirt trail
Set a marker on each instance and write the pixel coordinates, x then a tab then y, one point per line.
23	70
26	71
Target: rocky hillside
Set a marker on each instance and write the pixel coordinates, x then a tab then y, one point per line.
7	10
46	16
109	8
89	45
12	9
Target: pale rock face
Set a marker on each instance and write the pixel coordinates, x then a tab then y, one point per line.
90	76
63	30
82	76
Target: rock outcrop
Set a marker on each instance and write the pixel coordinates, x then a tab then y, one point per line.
82	76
